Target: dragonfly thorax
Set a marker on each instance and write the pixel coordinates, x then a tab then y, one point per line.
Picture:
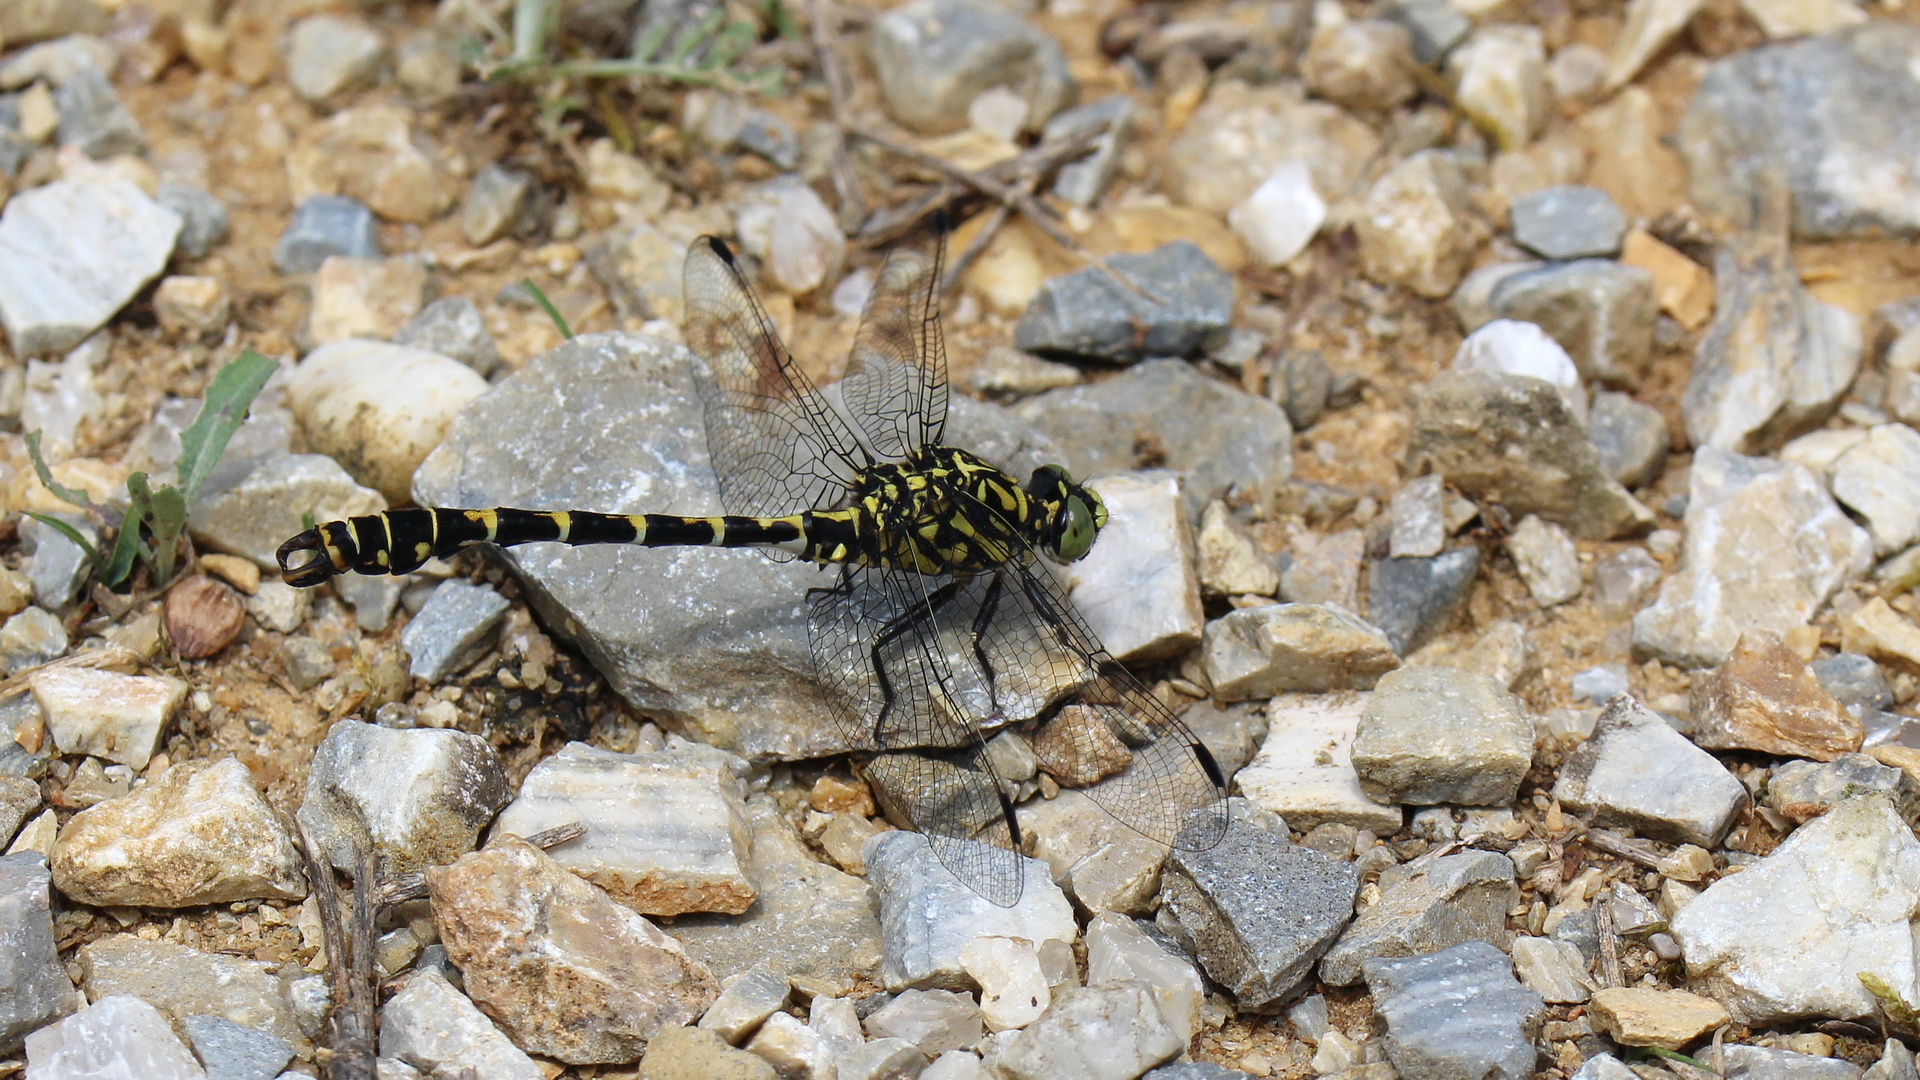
945	511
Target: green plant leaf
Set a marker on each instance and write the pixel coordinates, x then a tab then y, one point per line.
166	518
228	397
67	530
1672	1055
60	491
547	306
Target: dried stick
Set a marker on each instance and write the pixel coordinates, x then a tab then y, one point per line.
1624	849
1609	945
350	1054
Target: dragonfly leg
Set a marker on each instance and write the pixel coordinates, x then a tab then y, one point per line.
891	632
982	619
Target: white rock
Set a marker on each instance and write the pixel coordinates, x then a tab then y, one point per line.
1415	227
1650	25
927	916
1879	479
327	54
1818	450
954	1065
787	226
1304	770
37	835
936	1021
72	253
1138	588
1554	969
368	298
1499	77
1639	772
1522	348
105	713
1241	133
1110	1032
1262	651
199	834
1418	511
795	1050
1798	18
279	606
117	1036
1013	989
1547	559
379	408
1793	935
667	832
1119	951
421	795
434	1028
1231	563
746	1001
1282	215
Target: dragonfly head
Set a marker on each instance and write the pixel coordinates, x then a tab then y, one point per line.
1072	515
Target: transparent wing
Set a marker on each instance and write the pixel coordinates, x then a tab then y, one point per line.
954	800
895	386
777	446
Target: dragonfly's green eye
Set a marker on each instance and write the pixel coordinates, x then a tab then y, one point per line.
1076	537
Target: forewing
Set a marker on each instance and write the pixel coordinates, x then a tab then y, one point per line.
895	386
954	800
776	446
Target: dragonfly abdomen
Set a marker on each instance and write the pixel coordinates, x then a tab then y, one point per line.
399	541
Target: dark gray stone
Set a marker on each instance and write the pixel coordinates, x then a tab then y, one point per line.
1631	438
933	57
323	226
1854	680
37	990
233	1051
1456	1014
93	119
770	137
1601	312
1088	313
1511	439
453	629
1259	911
1828	120
1803	790
1412	599
1452	899
1775	361
452	326
203	218
1218	434
1568	221
1302	384
712	640
1436	25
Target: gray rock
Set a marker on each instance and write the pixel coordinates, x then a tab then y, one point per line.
203	218
1601	312
76	45
1472	299
769	136
1639	772
373	598
1303	385
117	1035
183	982
38	990
321	227
1310	1019
419	796
880	1059
248	507
1547	559
1769	1063
452	326
746	1000
1430	1034
72	253
230	1051
1794	934
328	55
1854	681
1437	26
1803	790
1775	361
1896	1063
1449	900
1511	439
1821	120
93	119
1765	548
713	640
57	566
1082	182
495	202
667	832
1631	438
1622	580
1556	970
1411	600
927	915
1088	313
1221	436
1879	479
639	265
1437	735
1568	221
1110	1032
1262	651
434	1028
933	57
1419	514
1259	910
811	922
19	800
453	629
1599	684
1196	1070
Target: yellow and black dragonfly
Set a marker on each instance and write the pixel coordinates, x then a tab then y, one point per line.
943	625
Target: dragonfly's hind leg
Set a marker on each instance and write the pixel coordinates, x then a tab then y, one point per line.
891	632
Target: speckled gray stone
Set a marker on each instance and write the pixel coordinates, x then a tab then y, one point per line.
1568	221
37	988
1088	313
453	629
1454	898
1429	1032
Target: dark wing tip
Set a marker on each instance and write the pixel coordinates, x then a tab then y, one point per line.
718	247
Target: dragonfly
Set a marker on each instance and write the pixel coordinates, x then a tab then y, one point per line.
944	624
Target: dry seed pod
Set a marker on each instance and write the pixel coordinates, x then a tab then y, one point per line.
203	616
